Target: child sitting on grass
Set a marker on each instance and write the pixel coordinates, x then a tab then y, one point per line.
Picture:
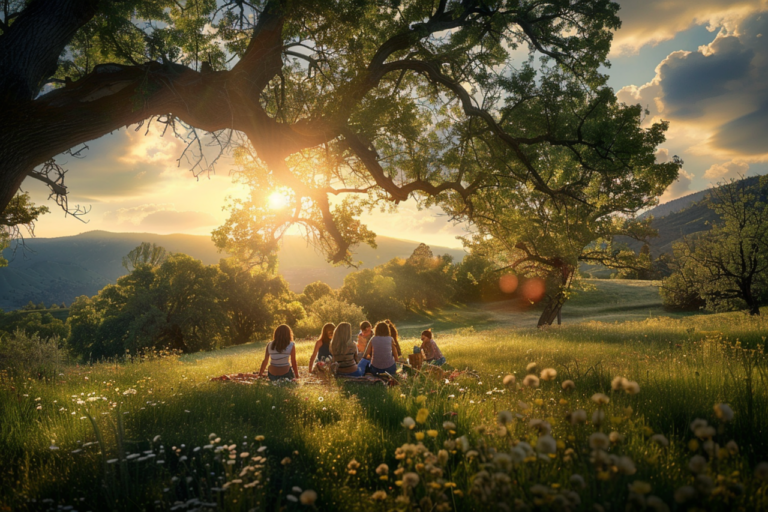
430	350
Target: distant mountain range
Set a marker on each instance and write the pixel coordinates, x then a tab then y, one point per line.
56	270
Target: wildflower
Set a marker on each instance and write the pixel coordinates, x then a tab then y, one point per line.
724	412
697	464
421	399
732	447
598	417
509	380
409	423
660	440
379	496
626	467
542	426
568	385
502	460
449	425
130	391
53	447
419	436
617	383
705	432
599	441
693	445
442	457
504	417
548	374
422	415
285	461
531	367
615	437
655	504
698	422
292	498
382	469
546	444
432	433
464	443
410	479
258	439
531	381
320	399
631	387
600	399
639	487
523	406
308	497
578	416
577	481
111	461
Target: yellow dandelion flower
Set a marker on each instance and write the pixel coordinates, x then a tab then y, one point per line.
422	415
421	399
419	436
432	433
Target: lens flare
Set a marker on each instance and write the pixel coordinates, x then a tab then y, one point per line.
533	289
278	200
508	283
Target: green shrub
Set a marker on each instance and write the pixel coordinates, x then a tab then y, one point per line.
328	309
29	355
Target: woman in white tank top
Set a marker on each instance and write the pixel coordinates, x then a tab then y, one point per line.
280	355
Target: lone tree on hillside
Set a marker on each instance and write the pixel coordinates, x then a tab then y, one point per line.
371	100
726	267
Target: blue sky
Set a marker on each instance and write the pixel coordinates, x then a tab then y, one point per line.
702	66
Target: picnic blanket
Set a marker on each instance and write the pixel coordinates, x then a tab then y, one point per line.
312	379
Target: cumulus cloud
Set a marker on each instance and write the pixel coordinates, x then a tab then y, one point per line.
716	97
679	188
734	169
135	214
652	21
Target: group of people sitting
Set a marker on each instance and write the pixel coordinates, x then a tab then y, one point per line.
375	350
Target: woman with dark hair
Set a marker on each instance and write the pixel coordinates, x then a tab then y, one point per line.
281	355
323	345
382	351
395	337
431	351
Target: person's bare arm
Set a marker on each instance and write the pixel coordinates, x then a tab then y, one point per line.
265	361
394	350
314	355
293	362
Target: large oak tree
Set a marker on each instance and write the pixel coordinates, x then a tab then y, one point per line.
340	104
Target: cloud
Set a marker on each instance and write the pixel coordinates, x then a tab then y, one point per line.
134	215
653	21
716	98
173	221
679	188
727	170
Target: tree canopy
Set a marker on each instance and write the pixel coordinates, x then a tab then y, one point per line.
727	266
340	105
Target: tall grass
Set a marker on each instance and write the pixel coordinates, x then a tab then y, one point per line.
157	434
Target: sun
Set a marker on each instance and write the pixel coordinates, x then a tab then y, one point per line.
278	200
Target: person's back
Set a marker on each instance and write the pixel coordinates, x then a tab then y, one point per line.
382	357
344	351
382	351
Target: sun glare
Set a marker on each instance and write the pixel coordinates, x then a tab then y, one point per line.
278	200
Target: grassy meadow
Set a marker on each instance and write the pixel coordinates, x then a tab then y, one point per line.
158	434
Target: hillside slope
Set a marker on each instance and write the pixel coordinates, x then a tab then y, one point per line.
676	219
58	270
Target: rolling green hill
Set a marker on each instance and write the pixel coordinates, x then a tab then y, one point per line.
56	270
676	219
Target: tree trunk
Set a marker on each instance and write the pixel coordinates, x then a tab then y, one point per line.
556	298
